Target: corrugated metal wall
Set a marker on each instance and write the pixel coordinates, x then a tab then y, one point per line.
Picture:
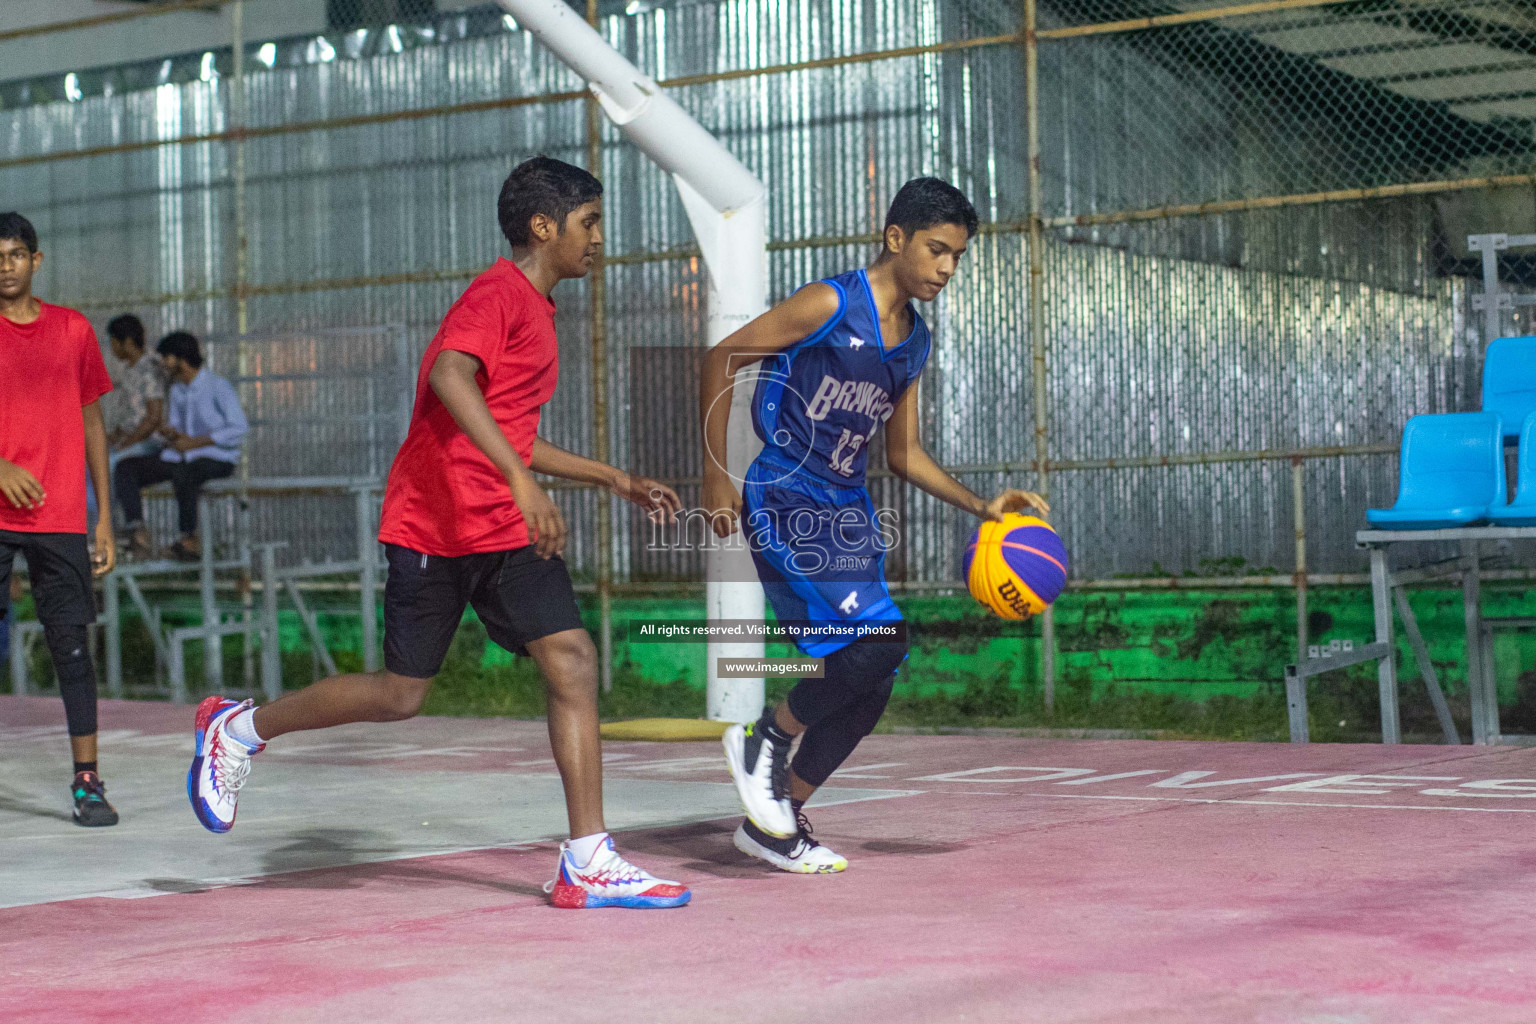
1258	330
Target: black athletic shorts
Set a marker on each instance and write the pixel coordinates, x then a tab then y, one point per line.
519	596
60	569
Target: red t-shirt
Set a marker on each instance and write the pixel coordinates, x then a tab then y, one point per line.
444	497
49	370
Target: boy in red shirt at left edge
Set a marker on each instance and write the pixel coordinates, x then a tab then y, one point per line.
51	377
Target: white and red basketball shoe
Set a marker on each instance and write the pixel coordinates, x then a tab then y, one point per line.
609	880
220	765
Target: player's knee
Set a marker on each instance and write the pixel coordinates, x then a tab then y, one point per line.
850	676
887	658
569	661
867	664
71	655
401	697
866	714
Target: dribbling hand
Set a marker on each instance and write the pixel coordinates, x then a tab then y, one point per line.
1014	501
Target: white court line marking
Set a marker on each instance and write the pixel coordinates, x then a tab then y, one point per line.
1274	803
858	771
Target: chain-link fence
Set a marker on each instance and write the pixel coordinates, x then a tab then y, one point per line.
1253	225
1329	160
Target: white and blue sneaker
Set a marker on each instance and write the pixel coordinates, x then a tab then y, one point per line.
220	765
802	855
608	880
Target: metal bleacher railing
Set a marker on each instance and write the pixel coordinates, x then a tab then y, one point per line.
246	568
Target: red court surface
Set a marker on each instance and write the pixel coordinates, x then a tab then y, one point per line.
992	879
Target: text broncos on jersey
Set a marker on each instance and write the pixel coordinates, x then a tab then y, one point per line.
864	397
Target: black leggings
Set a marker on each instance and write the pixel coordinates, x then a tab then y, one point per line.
61	587
187	479
839	710
77	676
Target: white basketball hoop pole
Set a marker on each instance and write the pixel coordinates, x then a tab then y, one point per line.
724	202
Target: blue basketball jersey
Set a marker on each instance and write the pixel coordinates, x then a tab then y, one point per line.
819	402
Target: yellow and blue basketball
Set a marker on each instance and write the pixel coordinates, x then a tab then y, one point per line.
1016	567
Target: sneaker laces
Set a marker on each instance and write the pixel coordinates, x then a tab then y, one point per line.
607	867
778	769
92	785
804	825
231	765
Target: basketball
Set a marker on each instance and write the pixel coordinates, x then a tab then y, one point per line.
1016	567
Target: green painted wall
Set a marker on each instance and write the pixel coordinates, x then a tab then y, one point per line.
1193	644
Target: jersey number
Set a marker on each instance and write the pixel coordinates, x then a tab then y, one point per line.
844	463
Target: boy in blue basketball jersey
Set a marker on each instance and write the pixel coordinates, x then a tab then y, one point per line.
839	359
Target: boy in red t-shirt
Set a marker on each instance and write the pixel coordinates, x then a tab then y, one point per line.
51	376
466	523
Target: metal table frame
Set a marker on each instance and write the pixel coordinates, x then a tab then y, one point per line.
1480	679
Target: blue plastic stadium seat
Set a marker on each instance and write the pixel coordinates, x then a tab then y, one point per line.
1521	511
1509	381
1451	473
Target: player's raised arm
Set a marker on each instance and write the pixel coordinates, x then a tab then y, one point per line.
786	324
906	457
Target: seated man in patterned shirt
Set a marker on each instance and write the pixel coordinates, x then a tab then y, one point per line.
136	409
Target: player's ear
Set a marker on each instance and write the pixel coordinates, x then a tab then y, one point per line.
542	227
895	240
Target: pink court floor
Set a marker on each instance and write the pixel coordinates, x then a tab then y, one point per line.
394	873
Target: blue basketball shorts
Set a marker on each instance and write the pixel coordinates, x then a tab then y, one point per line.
820	554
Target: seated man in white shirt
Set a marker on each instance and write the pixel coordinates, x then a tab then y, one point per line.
203	432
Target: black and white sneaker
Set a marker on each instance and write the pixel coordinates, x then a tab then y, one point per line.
91	807
760	768
802	855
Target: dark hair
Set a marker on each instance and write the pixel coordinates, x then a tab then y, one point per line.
923	202
183	346
542	185
127	328
15	227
